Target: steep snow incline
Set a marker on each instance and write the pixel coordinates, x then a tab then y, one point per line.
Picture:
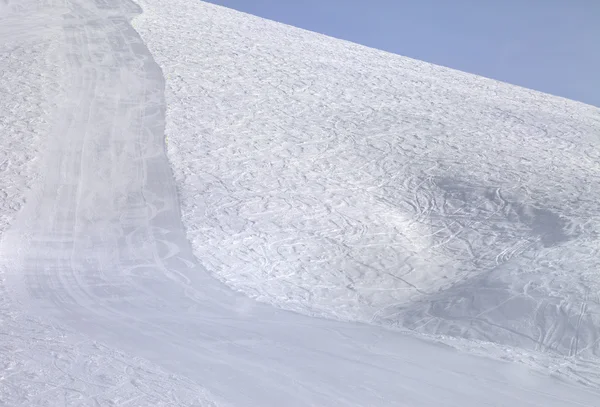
102	301
336	180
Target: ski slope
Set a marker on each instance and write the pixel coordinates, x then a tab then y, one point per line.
340	181
104	301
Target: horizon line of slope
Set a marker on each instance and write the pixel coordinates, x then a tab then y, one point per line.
548	93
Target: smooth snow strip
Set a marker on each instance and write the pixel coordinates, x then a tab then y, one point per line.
41	363
100	249
337	180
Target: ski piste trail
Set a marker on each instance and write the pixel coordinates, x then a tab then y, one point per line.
102	301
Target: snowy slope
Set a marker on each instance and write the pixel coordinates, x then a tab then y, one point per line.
42	362
28	81
336	180
102	301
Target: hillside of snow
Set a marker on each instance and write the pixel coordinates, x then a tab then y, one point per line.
340	181
386	232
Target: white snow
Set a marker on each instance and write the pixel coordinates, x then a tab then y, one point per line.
332	179
315	175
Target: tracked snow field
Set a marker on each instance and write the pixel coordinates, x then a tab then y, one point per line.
316	176
336	180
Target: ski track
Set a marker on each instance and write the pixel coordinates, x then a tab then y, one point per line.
102	301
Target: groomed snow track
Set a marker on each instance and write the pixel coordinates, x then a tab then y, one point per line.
102	277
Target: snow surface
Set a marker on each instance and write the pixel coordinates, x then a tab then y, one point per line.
315	175
340	181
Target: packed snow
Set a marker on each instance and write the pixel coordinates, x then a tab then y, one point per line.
348	200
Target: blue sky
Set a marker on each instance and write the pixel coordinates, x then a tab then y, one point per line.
548	45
